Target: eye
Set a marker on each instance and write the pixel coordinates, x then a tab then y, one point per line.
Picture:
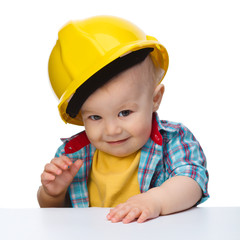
95	117
124	113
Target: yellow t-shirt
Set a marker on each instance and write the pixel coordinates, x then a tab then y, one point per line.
113	180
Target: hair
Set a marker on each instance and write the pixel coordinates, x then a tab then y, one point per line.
155	72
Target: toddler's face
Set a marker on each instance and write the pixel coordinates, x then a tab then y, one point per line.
118	116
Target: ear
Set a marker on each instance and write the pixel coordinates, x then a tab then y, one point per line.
157	96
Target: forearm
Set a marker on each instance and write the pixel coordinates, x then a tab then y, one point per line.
176	194
46	200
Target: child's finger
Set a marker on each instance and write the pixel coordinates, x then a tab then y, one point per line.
46	177
143	217
53	169
75	167
61	162
120	213
113	211
66	159
132	215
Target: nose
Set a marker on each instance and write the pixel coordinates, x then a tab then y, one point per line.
113	128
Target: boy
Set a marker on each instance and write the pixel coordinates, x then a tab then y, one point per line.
107	74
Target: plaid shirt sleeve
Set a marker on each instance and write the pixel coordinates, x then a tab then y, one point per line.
183	156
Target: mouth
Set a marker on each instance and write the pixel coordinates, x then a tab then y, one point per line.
117	142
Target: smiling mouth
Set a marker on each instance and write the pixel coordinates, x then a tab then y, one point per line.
117	142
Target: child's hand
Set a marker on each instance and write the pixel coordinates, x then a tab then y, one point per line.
58	174
141	207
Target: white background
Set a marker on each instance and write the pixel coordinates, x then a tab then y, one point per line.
202	84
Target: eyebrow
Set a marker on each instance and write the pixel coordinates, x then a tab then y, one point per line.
128	105
86	112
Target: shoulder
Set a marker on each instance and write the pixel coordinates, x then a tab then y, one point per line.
170	126
178	140
170	130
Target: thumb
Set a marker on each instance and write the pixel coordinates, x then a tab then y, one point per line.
75	167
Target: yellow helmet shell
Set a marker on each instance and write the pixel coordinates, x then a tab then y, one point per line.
84	47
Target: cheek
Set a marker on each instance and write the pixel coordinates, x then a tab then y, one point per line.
92	132
142	129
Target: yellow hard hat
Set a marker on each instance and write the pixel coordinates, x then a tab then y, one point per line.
91	51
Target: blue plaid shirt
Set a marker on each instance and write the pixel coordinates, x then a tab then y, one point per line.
171	150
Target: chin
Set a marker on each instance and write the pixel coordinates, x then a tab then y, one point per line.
121	154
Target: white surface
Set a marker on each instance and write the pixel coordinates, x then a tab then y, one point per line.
91	223
202	84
